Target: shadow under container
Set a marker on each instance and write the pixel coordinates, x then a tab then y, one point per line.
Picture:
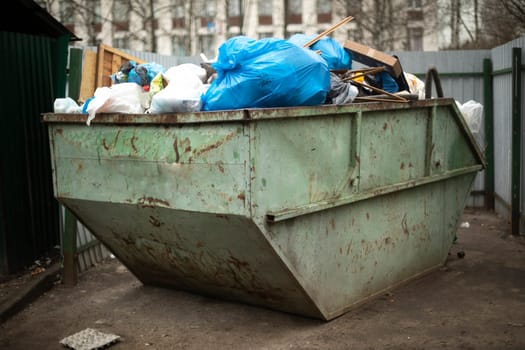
309	210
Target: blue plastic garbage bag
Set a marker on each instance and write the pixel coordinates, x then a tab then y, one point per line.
335	55
387	82
142	74
269	72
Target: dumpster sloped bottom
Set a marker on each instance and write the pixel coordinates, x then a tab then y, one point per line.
308	210
363	249
211	254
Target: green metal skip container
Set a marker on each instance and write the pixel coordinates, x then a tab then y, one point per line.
308	210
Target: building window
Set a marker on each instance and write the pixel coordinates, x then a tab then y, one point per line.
67	12
210	9
295	7
121	43
415	37
234	13
295	11
177	8
120	10
324	11
234	8
178	45
265	35
324	6
415	4
264	7
207	15
206	44
96	10
264	10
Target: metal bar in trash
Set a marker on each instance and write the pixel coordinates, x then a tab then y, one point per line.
397	98
328	31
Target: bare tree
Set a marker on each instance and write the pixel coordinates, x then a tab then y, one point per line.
455	21
516	10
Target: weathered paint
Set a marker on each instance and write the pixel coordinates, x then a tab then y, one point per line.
306	210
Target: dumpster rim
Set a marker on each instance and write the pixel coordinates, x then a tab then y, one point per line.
248	114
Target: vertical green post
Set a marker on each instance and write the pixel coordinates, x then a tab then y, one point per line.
488	101
75	72
60	65
69	238
69	248
516	140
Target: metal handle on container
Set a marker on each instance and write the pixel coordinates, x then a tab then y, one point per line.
432	74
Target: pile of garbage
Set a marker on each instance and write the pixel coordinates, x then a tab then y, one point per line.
247	73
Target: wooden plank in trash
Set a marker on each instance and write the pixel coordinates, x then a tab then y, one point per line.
109	61
89	71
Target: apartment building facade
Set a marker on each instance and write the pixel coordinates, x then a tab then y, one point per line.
186	28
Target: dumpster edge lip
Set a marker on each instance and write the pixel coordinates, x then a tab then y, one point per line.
248	114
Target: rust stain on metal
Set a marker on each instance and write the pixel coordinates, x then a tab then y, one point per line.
155	221
80	167
220	166
151	202
105	144
332	223
402	166
385	126
198	152
239	264
126	240
59	131
241	196
222	216
133	139
404	225
176	149
410	165
368	216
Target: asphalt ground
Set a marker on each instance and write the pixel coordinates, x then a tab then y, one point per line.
475	301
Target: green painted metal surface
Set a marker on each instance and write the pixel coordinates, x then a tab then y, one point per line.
488	119
516	142
28	211
308	210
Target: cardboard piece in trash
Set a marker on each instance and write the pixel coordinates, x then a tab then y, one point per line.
373	58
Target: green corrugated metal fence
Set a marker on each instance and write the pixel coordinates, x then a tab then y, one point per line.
33	76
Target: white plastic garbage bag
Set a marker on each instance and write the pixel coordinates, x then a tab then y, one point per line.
472	111
182	94
184	68
119	98
66	105
416	85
